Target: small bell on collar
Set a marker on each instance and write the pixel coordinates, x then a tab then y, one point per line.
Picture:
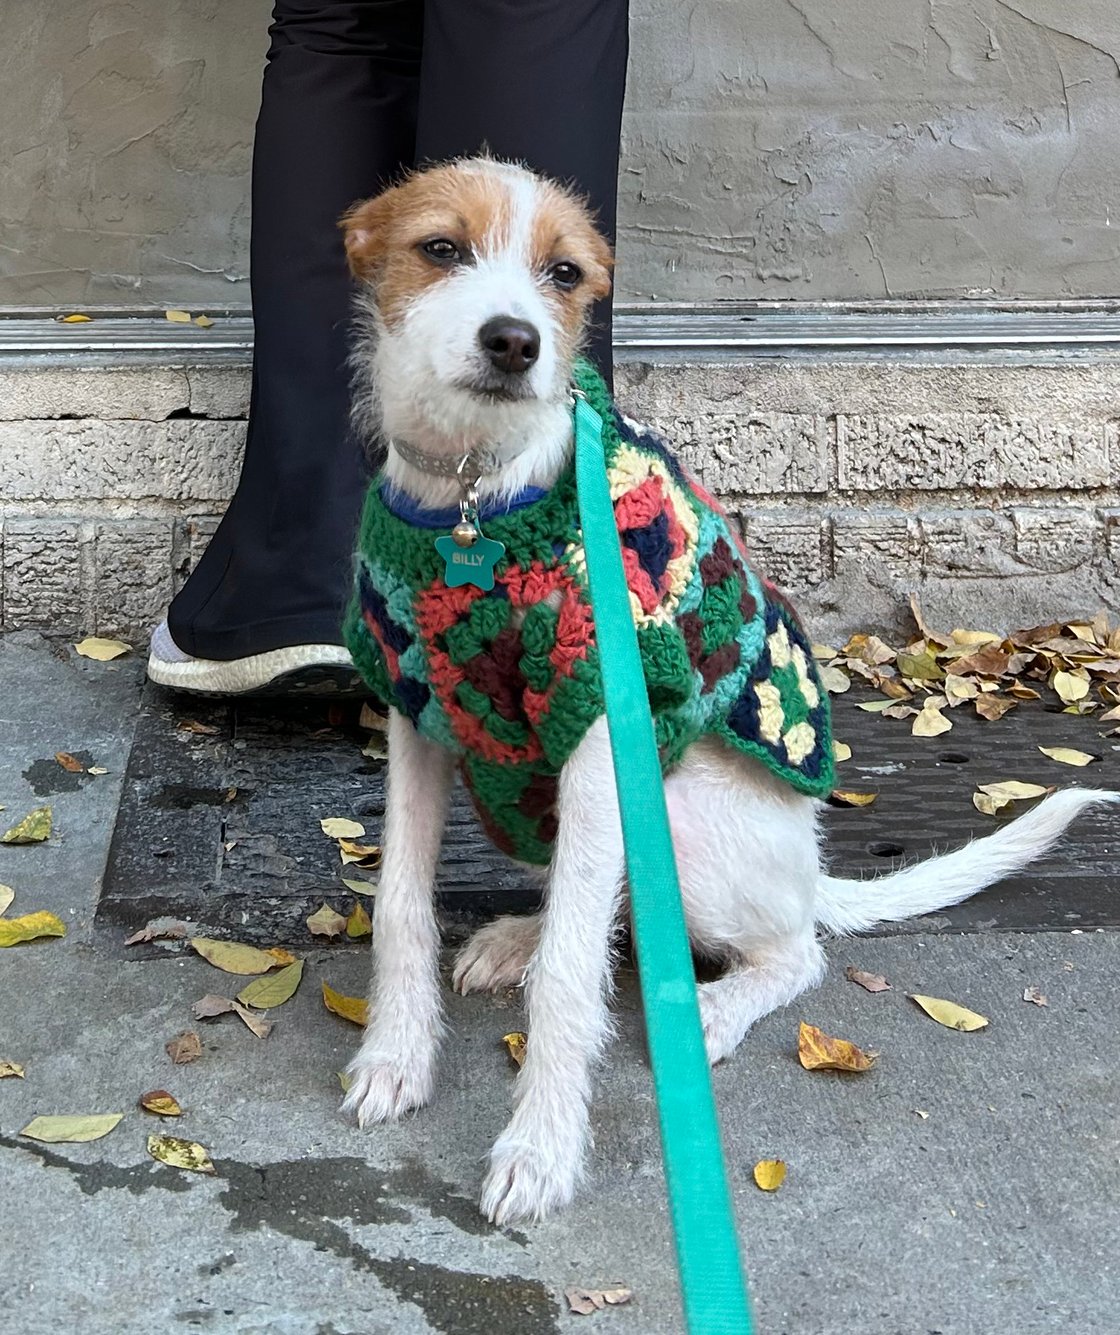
468	556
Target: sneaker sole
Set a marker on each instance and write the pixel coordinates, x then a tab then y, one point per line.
303	669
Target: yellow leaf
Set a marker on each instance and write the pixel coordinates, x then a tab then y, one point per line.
160	1102
101	650
988	805
930	722
203	321
232	956
515	1046
339	827
7	894
71	1129
1070	687
834	681
280	955
29	927
33	829
959	689
817	1051
822	651
1012	790
180	1153
345	1079
354	1009
974	639
358	923
76	318
769	1174
949	1013
1067	756
325	921
365	855
360	887
841	751
272	990
848	798
178	317
9	1069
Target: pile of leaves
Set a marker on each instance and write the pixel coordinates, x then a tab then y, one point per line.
1078	661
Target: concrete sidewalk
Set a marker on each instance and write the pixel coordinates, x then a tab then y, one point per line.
995	1213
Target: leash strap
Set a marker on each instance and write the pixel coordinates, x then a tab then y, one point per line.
713	1288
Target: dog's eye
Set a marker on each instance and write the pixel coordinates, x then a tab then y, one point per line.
565	274
441	250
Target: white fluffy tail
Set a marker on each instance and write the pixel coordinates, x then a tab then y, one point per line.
854	906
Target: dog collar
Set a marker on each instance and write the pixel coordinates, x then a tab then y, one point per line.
479	462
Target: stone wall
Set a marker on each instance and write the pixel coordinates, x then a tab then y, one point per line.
992	490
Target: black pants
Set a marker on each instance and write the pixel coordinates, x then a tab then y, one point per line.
354	92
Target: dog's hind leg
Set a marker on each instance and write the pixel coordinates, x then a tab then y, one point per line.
394	1068
497	955
538	1158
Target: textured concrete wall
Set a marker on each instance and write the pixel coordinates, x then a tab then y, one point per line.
773	148
853	484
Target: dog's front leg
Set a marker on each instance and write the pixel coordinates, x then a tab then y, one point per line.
538	1159
394	1068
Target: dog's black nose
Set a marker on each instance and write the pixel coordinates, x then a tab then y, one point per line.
512	345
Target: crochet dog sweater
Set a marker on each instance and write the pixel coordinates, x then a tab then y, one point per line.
509	679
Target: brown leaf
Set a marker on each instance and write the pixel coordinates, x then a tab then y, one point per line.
868	649
160	1102
585	1302
157	930
71	764
211	1006
201	729
515	1046
991	661
994	707
362	855
1033	995
870	982
817	1051
184	1047
326	922
920	622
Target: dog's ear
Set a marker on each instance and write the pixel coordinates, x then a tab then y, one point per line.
599	267
365	230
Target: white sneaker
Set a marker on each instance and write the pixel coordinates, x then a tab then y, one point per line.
302	669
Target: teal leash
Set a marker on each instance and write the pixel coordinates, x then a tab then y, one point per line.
713	1286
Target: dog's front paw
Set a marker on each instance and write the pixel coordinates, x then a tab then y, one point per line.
525	1182
721	1014
497	955
383	1089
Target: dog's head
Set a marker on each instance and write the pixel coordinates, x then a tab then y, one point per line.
480	277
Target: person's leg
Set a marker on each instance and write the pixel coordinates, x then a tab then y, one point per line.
337	121
538	81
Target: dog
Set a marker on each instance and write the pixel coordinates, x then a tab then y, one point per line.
476	283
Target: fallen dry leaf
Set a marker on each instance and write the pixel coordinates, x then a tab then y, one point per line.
818	1051
33	829
160	1102
157	930
273	989
371	720
769	1174
339	827
841	751
7	894
211	1006
358	924
834	681
515	1046
8	1069
180	1153
345	1079
281	955
29	927
72	1129
870	982
586	1302
203	321
847	798
233	956
988	805
1065	755
184	1048
102	650
76	318
1013	790
1070	686
949	1013
326	922
919	1112
363	855
200	729
71	764
993	707
1032	994
97	769
360	887
354	1009
930	722
178	317
919	667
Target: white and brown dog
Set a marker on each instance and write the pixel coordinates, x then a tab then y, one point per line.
477	279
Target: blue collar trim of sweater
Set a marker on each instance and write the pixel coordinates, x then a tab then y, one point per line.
405	507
